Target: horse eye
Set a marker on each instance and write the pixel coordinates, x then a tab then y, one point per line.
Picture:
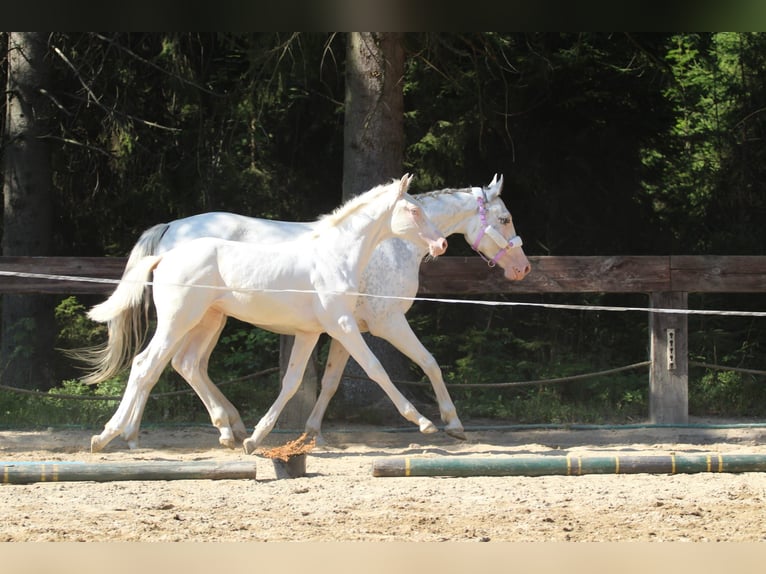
505	220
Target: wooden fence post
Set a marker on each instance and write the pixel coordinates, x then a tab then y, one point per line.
298	408
669	380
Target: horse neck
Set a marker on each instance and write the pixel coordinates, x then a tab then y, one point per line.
361	234
450	209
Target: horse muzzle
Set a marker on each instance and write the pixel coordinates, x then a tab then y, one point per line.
437	247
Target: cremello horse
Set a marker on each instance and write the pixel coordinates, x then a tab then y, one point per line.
479	214
305	286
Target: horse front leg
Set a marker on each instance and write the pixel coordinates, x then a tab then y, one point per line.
354	343
397	331
337	357
303	345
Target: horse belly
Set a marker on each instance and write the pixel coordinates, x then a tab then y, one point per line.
274	312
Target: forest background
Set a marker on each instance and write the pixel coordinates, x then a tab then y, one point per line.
609	143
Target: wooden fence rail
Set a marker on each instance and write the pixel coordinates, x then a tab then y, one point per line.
667	280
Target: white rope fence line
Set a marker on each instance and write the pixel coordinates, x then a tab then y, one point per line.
672	311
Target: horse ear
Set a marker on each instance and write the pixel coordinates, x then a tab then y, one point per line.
404	184
496	186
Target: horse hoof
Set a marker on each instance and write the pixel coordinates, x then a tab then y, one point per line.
316	436
228	442
427	427
95	444
456	433
249	446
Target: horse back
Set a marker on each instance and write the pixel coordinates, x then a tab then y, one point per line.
231	227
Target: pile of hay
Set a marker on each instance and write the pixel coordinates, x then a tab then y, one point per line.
301	445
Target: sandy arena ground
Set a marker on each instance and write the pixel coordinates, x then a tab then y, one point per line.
340	500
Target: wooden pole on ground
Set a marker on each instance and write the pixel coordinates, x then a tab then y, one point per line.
23	472
570	465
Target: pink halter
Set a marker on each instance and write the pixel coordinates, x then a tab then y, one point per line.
503	243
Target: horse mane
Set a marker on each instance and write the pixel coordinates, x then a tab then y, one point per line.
353	205
445	191
450	192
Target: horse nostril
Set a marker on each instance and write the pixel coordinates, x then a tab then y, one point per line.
522	272
438	247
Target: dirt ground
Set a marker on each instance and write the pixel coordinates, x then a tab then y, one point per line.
339	499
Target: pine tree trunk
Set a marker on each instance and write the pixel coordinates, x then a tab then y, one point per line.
374	116
373	154
27	320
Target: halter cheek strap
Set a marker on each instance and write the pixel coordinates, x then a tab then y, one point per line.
503	243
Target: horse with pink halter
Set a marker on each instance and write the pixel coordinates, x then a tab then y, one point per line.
391	277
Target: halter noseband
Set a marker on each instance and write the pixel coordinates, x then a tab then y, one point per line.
503	243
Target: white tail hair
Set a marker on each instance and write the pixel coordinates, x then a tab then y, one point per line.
125	312
129	293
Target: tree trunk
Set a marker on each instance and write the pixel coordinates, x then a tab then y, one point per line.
373	154
27	320
374	117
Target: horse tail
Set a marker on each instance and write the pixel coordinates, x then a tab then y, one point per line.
146	245
126	318
126	315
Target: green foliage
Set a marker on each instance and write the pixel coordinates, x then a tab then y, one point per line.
190	122
726	394
703	172
82	412
75	330
246	349
49	409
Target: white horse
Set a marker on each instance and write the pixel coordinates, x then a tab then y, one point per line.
479	214
305	287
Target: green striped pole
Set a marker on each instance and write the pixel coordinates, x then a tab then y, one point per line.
570	465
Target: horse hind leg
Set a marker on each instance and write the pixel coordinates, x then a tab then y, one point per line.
191	361
303	345
144	373
145	370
